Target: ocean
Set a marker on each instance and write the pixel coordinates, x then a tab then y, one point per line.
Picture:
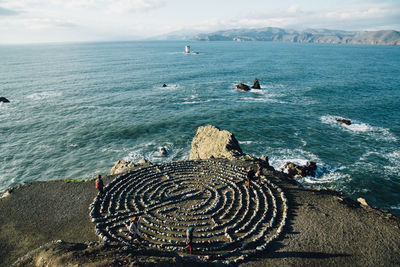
78	108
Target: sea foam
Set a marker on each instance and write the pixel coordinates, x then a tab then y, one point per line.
357	127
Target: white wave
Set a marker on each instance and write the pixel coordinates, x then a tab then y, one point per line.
196	101
325	176
170	87
3	106
44	95
151	151
376	132
331	179
389	162
260	100
395	207
42	146
246	142
297	156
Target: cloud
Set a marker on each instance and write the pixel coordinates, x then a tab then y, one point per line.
356	17
123	6
8	12
75	4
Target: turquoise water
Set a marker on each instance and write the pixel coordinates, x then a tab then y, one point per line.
78	108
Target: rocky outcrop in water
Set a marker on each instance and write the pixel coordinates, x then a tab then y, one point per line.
306	170
256	84
211	142
243	87
4	100
344	121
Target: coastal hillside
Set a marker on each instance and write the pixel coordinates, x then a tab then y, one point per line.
384	37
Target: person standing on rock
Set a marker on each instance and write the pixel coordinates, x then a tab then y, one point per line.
189	238
99	184
249	175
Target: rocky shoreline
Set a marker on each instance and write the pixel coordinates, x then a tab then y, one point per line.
48	222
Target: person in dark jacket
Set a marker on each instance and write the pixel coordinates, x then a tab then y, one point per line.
249	175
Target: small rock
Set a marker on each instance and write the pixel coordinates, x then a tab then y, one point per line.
143	161
243	87
5	194
256	84
164	85
344	121
362	201
5	100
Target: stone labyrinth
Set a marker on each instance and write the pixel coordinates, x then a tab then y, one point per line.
231	221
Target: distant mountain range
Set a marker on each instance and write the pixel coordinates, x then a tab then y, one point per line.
386	37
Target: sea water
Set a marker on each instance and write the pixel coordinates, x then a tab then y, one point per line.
78	108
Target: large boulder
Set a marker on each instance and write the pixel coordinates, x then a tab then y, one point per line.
256	84
5	100
122	166
211	142
243	87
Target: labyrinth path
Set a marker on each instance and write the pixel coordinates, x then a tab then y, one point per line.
231	221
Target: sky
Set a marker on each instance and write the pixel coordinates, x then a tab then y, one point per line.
42	21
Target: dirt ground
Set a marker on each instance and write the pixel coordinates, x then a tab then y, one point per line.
323	229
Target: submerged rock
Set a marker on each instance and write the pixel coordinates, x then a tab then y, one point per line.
243	87
211	142
256	84
5	100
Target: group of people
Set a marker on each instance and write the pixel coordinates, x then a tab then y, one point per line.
252	175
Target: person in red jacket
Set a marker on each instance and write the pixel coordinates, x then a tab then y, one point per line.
99	184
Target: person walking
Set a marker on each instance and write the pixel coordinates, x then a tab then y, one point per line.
189	239
259	173
99	184
133	228
249	175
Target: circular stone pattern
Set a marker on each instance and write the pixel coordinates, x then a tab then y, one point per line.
231	221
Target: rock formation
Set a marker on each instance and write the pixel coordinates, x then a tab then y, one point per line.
256	84
362	201
306	170
164	85
5	100
122	166
211	142
344	121
243	87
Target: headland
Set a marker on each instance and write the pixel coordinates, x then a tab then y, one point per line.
66	223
